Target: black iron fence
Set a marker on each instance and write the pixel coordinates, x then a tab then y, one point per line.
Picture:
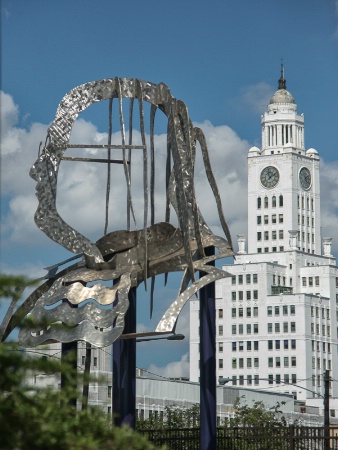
246	438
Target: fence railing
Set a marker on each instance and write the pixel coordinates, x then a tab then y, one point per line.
249	438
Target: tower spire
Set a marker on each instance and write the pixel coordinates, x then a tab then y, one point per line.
282	80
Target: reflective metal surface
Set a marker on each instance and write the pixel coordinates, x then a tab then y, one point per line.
96	314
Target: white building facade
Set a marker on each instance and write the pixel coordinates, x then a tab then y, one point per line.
276	317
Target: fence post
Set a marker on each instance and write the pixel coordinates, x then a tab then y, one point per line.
292	437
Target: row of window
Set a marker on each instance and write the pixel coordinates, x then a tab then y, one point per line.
285	309
248	295
265	219
287	327
254	345
316	346
254	379
316	363
250	345
248	278
302	237
287	361
273	201
239	312
301	202
326	330
267	249
239	363
307	220
310	281
83	361
266	235
316	310
286	343
250	328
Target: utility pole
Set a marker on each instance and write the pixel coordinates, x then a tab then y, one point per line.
327	410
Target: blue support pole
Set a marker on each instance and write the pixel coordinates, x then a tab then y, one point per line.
208	405
124	370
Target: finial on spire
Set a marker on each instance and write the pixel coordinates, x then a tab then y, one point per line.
282	80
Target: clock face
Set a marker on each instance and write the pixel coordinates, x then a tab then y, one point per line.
269	177
305	178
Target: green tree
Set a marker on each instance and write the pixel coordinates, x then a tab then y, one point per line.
42	418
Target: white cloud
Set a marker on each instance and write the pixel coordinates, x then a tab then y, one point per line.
174	369
256	97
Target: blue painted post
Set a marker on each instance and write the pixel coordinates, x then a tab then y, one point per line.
124	370
208	414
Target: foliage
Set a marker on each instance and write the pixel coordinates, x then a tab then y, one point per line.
43	418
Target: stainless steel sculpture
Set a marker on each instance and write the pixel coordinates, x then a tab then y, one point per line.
128	257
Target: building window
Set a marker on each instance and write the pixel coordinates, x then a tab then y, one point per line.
286	361
292	310
259	203
266	235
256	380
274	218
240	312
274	234
266	219
234	346
95	361
255	328
285	327
259	220
293	344
256	362
248	345
241	380
255	295
310	281
220	313
240	279
270	362
249	382
234	363
266	202
270	379
277	379
285	310
269	310
277	361
304	281
248	295
233	312
220	329
249	363
248	312
109	391
240	295
255	311
259	250
220	347
286	344
286	378
277	345
248	328
256	345
83	361
277	327
233	279
317	281
281	234
234	380
248	278
240	346
293	361
241	363
270	345
294	378
233	295
255	278
274	201
259	236
280	218
276	310
220	363
270	327
293	327
280	200
240	328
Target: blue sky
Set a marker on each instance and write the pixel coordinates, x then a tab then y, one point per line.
222	58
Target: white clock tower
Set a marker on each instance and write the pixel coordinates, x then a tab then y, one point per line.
277	316
283	181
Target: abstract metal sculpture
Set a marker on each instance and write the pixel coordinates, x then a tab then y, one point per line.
128	257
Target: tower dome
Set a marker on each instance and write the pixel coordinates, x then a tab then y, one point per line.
282	95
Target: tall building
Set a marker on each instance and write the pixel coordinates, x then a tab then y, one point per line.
276	317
